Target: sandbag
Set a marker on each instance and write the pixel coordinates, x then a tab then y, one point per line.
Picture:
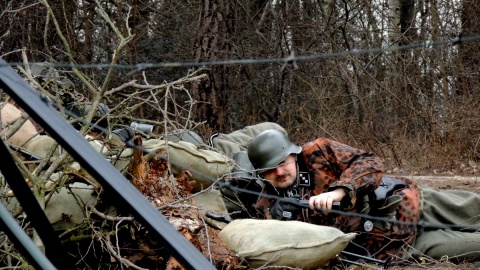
238	140
9	114
40	145
284	243
206	166
211	201
66	208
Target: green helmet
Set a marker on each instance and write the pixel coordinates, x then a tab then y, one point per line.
269	148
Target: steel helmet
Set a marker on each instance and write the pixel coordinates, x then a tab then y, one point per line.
269	148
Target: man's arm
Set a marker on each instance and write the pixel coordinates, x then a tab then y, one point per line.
338	167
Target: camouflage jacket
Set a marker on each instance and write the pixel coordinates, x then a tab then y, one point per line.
332	165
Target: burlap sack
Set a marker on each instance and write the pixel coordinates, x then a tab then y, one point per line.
237	141
206	166
40	145
66	208
211	201
284	243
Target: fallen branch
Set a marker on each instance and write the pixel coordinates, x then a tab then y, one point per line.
107	217
134	84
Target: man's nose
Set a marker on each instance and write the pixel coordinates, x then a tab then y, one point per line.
279	170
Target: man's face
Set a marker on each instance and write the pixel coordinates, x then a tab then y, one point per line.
284	174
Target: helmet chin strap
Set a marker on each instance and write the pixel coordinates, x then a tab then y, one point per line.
297	178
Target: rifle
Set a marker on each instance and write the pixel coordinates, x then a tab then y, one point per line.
304	203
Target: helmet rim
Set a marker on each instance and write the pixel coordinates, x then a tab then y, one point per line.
270	148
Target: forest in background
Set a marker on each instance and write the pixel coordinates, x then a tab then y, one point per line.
397	92
397	77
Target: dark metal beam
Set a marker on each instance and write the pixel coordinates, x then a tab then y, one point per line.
97	166
22	241
35	214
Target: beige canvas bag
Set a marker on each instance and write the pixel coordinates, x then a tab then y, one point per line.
284	243
206	166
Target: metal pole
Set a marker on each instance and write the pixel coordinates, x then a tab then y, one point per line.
22	241
104	172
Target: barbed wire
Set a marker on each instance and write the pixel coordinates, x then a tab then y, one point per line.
224	183
227	185
292	58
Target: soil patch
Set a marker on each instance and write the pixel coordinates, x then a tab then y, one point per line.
470	183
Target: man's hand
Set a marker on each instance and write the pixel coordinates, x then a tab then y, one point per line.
325	200
287	208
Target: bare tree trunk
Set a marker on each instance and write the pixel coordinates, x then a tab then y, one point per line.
86	50
469	57
440	60
213	44
393	23
408	67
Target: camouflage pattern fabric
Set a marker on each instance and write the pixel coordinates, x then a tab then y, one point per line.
335	165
